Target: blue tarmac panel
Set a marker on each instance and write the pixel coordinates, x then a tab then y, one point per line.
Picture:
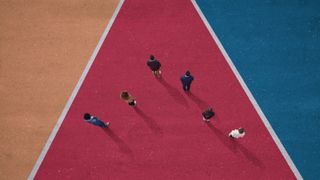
275	46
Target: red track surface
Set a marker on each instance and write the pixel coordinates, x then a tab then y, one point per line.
165	137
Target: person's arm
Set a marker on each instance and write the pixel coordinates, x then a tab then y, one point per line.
211	113
204	114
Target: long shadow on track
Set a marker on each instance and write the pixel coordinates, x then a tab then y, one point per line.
120	143
235	146
174	93
152	124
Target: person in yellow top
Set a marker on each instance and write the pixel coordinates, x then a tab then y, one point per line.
128	98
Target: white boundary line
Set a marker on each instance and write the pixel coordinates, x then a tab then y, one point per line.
74	93
246	89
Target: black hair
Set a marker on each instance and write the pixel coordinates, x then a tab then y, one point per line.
86	116
151	57
187	73
241	130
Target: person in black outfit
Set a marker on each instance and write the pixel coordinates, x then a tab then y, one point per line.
186	80
154	65
207	114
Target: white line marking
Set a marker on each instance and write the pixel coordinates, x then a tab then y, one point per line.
246	89
74	93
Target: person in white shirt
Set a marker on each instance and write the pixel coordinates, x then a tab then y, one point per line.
237	133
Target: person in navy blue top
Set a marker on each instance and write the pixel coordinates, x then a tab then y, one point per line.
154	65
95	120
186	80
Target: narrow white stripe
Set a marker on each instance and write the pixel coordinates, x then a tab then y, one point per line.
246	89
74	93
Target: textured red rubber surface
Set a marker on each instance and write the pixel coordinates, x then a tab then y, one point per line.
164	137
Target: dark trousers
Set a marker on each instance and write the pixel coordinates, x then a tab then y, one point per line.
186	87
100	123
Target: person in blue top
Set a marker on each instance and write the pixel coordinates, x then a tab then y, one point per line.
95	121
186	80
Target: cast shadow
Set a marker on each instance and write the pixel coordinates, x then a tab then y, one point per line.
249	155
202	105
235	146
174	93
152	124
223	138
120	143
199	102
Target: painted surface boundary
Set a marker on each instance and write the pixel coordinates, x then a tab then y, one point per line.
249	94
74	93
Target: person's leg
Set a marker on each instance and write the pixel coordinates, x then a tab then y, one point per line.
188	87
101	124
104	125
184	87
158	72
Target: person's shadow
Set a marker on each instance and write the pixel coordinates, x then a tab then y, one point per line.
116	139
199	102
235	146
174	93
152	124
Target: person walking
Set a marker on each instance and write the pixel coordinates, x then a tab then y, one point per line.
95	120
207	114
154	65
237	133
186	80
128	98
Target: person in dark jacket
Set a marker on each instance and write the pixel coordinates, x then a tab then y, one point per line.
207	114
186	80
154	65
95	121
